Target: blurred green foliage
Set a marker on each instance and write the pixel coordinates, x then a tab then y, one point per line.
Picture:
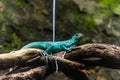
110	3
22	21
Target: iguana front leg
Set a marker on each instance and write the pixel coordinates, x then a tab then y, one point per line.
65	48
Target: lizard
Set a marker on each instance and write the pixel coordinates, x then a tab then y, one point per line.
57	46
54	47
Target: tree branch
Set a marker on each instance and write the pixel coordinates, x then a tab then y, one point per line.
19	57
78	59
37	73
105	55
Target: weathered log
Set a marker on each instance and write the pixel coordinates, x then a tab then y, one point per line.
105	55
65	66
79	58
37	73
19	57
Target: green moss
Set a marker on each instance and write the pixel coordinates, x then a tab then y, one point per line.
109	3
22	4
15	44
116	9
16	41
90	21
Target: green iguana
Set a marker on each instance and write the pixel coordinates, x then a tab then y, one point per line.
54	47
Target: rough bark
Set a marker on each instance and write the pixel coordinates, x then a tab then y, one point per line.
74	64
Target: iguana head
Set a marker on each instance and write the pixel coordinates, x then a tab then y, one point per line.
77	37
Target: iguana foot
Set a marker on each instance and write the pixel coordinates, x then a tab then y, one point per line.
44	54
41	54
46	58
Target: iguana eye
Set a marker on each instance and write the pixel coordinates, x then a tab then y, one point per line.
76	34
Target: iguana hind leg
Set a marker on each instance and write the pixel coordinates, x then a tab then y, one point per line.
47	51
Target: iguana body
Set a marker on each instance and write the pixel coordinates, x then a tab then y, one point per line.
53	47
